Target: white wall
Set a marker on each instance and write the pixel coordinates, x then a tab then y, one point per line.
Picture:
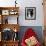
39	12
27	3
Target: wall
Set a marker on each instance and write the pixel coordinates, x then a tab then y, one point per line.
27	3
39	12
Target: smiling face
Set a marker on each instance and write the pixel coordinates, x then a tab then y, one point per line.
31	41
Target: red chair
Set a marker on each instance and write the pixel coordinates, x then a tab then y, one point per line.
29	33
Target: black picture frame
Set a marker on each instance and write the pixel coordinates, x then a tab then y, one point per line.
30	13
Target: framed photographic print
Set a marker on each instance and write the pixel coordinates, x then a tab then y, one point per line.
30	13
5	12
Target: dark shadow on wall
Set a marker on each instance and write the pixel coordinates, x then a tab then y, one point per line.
37	29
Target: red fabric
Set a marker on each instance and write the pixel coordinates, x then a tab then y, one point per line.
29	33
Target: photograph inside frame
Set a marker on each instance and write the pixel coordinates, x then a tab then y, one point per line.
30	13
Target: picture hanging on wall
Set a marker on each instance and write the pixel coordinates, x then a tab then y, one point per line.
30	13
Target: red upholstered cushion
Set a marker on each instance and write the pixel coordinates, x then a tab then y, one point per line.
29	33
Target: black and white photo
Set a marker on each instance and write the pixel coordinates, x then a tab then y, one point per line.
30	13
